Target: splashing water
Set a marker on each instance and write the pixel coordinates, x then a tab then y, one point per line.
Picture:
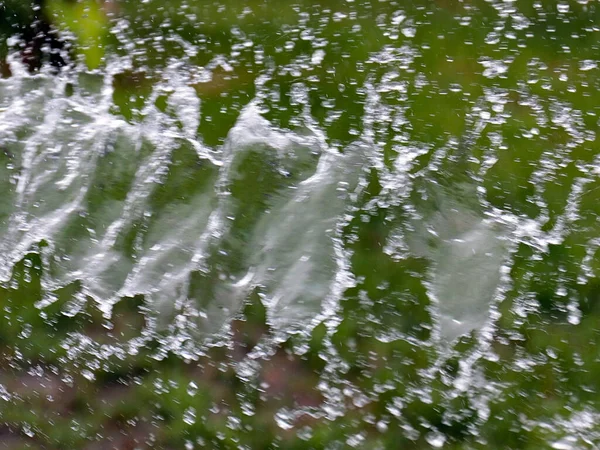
86	182
383	216
467	253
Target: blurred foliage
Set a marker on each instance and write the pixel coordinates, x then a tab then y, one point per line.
88	21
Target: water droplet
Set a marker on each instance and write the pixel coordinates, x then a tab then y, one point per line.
435	439
305	433
356	440
567	443
4	394
317	57
247	409
27	430
409	32
192	388
88	375
588	64
284	419
25	331
189	416
381	426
